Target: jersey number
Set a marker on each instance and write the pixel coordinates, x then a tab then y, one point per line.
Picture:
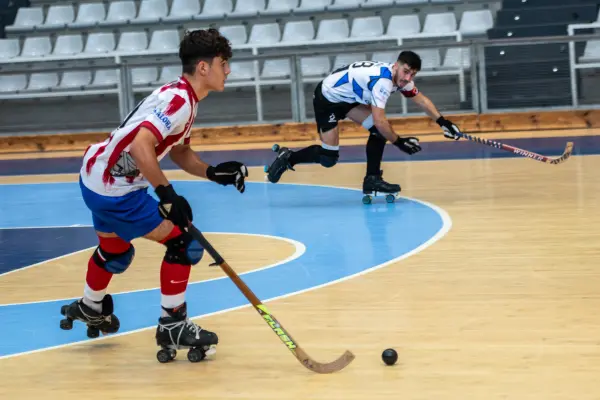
362	64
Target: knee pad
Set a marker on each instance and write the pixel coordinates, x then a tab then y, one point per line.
374	132
328	158
115	263
183	250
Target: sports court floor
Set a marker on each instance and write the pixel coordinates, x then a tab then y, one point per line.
484	277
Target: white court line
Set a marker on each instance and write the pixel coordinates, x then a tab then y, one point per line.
299	247
447	225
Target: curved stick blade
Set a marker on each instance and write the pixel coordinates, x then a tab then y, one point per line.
342	362
565	155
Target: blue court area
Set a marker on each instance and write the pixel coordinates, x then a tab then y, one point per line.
342	238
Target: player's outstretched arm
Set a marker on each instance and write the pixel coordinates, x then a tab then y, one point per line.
451	131
409	145
227	173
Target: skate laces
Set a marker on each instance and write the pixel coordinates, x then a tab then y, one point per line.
184	324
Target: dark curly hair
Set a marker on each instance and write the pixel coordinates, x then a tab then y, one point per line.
202	45
411	59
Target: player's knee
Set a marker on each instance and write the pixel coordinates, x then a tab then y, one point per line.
375	133
184	250
115	263
328	158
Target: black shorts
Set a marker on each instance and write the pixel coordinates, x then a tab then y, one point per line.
327	114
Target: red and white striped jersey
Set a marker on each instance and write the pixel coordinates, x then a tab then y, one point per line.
168	112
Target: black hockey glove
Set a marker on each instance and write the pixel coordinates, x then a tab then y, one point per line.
229	173
409	145
451	131
173	207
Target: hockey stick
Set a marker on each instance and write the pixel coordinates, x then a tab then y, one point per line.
525	153
285	337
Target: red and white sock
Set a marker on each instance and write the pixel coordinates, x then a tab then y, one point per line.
97	278
173	279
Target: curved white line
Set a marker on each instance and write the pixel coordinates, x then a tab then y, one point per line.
447	225
299	249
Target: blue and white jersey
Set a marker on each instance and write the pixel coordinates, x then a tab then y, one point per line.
364	82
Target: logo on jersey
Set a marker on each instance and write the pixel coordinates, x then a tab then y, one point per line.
332	118
163	118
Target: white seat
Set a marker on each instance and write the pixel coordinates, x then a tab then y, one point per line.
367	27
68	45
90	14
12	83
184	8
280	6
276	68
456	57
251	7
298	31
167	40
104	78
28	17
591	51
121	11
36	47
347	59
265	34
314	5
440	23
333	29
241	71
9	48
236	34
59	15
217	7
75	79
169	74
152	10
401	2
144	75
385	56
430	58
315	66
133	42
100	43
476	22
43	81
403	26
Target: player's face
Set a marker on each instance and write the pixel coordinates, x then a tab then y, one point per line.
217	75
405	74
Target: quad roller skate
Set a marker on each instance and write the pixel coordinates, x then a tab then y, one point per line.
105	322
279	165
374	185
177	332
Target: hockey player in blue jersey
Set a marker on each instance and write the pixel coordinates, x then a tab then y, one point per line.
359	91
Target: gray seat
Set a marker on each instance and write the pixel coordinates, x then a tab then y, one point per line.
12	83
9	48
59	15
152	11
36	47
89	14
68	45
75	79
42	81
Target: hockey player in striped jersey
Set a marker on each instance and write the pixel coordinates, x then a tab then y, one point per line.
114	181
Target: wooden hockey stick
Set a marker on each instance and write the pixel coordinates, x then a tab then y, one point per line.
524	153
285	337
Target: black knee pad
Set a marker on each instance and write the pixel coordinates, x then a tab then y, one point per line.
183	250
375	134
328	158
115	263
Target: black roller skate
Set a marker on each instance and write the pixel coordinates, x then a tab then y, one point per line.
105	322
374	185
177	332
280	164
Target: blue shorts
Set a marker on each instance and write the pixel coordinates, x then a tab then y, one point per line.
131	216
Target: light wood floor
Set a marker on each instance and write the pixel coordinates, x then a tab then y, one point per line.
506	306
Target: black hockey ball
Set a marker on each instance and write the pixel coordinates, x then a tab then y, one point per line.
389	356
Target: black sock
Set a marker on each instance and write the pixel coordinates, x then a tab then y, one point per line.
306	155
375	147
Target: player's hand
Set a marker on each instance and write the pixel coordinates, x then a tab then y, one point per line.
229	173
409	145
173	207
451	131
